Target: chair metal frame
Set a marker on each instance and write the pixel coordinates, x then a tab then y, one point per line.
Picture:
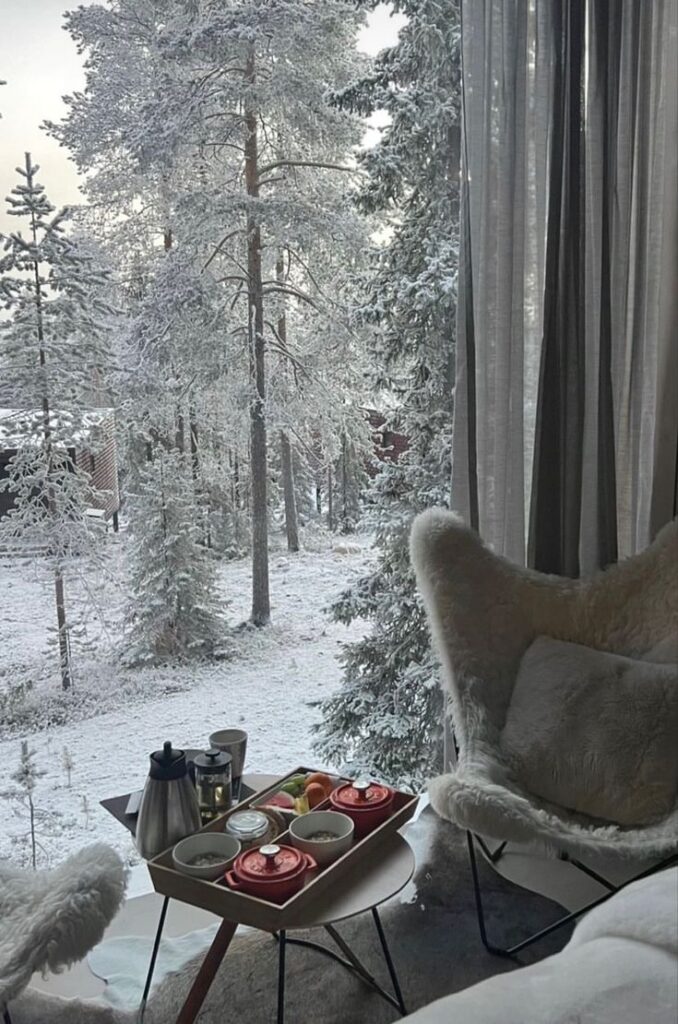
494	856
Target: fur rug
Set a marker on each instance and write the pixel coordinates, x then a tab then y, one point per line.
433	939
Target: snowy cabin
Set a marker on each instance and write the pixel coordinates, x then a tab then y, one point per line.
93	451
389	445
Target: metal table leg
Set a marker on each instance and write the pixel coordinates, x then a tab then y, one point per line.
281	936
389	961
349	961
154	957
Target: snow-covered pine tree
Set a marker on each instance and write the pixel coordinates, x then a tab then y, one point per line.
54	359
172	349
174	611
225	100
387	716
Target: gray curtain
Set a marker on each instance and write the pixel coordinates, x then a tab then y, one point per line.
566	398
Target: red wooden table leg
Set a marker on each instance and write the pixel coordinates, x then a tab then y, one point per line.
205	976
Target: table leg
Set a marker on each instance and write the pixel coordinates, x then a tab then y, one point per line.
282	943
205	976
389	961
154	956
350	955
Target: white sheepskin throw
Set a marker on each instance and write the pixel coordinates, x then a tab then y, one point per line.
595	732
49	919
484	613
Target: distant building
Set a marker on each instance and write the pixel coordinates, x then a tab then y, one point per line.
93	450
389	445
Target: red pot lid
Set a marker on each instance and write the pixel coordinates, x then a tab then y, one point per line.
270	863
362	795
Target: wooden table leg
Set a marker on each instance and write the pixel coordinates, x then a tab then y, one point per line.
205	976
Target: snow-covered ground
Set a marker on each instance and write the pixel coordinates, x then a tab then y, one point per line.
118	715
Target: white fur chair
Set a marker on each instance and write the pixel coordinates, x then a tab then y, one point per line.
484	613
49	919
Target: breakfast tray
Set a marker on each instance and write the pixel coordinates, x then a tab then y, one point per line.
217	898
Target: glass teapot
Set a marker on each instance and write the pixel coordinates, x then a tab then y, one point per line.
213	783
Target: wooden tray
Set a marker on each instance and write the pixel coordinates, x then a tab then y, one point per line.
258	913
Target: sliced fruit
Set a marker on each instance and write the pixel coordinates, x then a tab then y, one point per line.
280	799
320	779
315	794
295	785
301	804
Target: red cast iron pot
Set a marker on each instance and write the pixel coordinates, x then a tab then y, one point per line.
271	872
368	804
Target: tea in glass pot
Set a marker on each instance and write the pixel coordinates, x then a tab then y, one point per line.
213	783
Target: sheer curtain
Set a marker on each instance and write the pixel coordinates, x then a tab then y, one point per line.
566	397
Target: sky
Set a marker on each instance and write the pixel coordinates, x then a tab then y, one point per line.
40	64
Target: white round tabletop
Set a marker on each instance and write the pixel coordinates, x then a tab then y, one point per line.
354	895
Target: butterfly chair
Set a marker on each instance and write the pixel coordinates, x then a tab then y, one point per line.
484	613
50	919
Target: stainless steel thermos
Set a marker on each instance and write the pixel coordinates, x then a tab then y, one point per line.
169	808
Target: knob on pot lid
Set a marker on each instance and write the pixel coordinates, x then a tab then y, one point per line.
167	764
362	794
270	862
212	761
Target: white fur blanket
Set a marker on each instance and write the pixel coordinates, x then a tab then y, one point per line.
620	967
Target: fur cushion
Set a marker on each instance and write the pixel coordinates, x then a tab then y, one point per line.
594	732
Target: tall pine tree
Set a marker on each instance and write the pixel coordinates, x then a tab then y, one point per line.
222	104
53	355
387	716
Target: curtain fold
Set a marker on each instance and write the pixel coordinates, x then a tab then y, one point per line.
507	69
566	397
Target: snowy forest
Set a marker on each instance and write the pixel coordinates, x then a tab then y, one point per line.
256	294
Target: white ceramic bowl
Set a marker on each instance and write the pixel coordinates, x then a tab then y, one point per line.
185	851
324	850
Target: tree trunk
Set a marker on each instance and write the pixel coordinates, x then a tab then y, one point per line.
291	525
330	498
344	485
179	442
64	657
261	604
195	460
291	522
236	501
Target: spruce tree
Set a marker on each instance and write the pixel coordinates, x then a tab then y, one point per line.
53	354
174	608
171	349
387	717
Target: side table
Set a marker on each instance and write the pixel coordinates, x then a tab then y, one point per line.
351	897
